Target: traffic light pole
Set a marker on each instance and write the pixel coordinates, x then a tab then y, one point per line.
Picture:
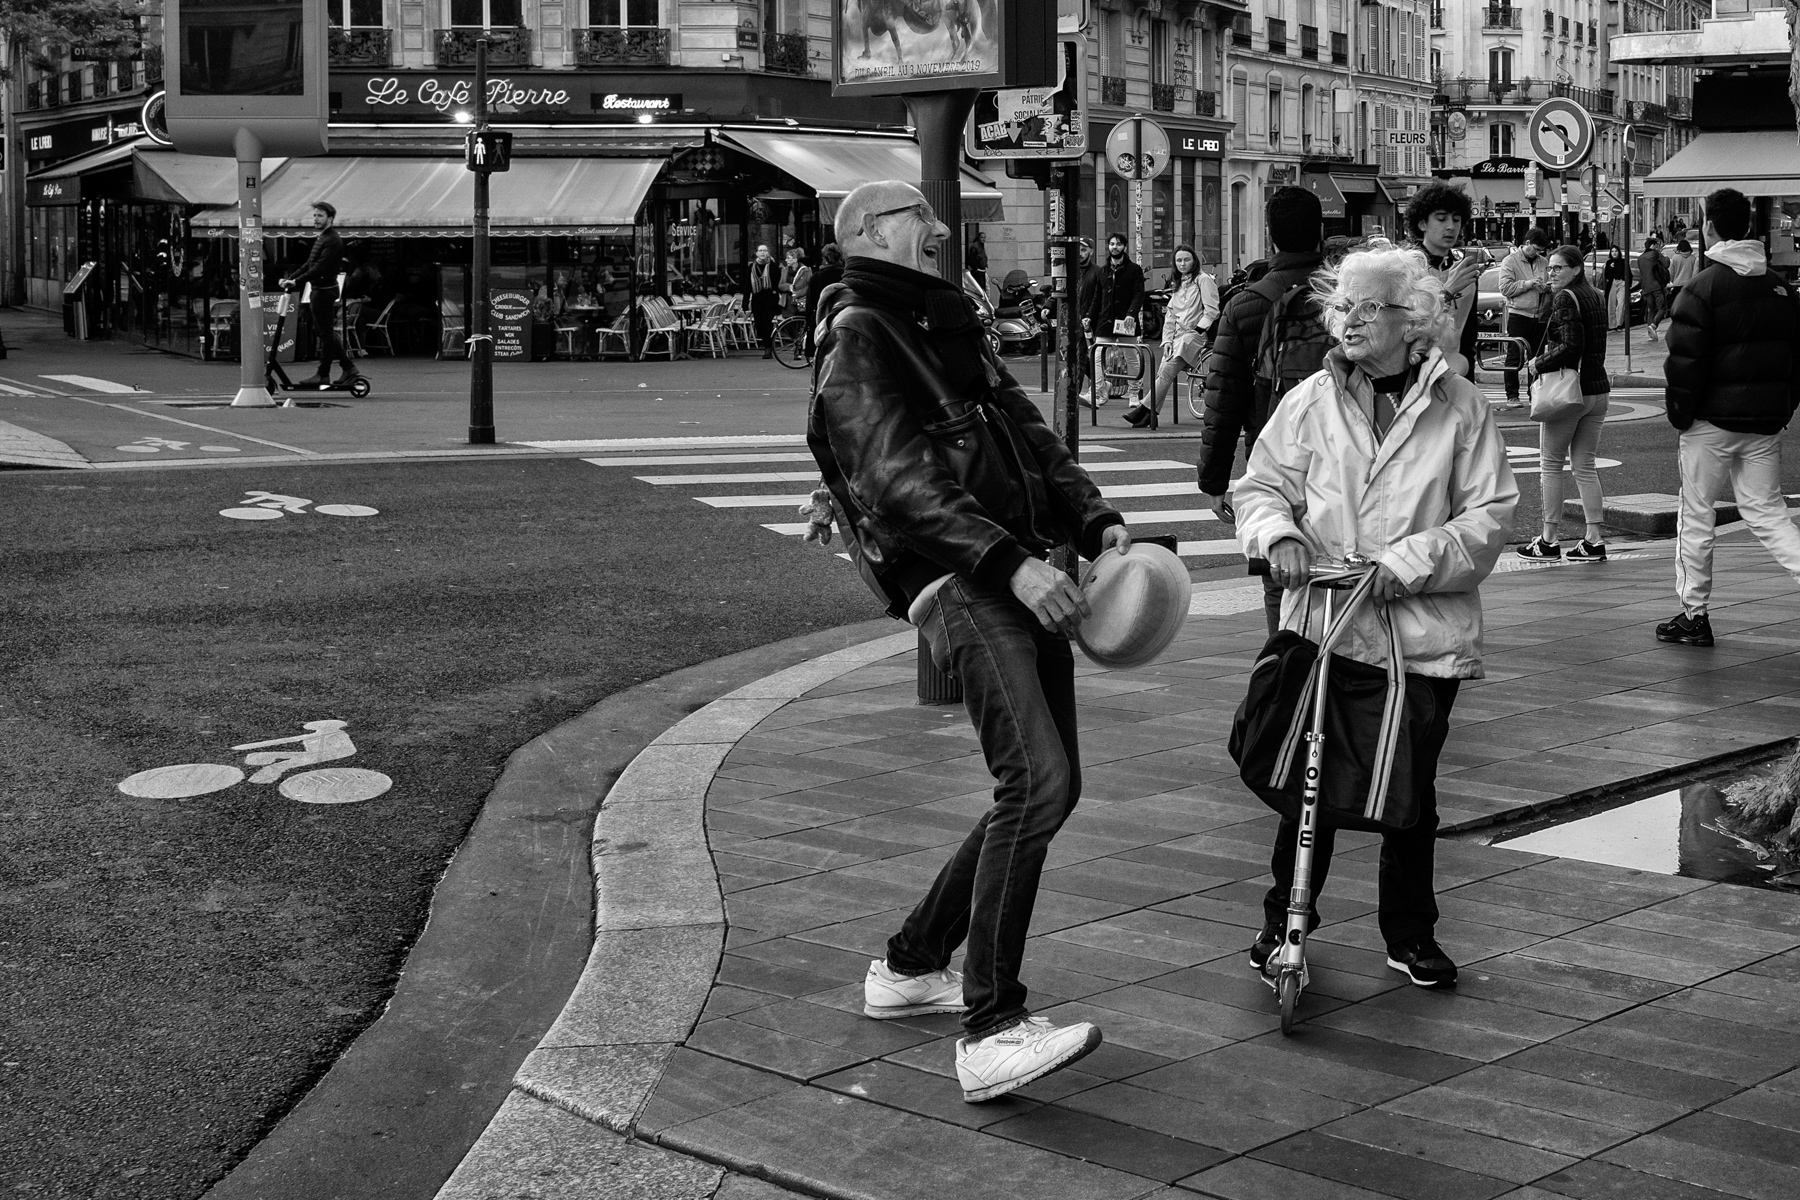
481	343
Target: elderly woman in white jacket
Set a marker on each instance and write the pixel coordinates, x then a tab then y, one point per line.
1390	454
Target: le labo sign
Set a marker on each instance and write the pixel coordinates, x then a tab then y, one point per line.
437	94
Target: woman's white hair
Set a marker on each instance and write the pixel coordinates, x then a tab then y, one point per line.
1396	275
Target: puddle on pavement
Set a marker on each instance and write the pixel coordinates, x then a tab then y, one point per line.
1676	832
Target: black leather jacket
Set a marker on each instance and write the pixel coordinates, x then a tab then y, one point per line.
931	483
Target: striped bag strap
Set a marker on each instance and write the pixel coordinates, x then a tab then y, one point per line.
1392	713
1340	621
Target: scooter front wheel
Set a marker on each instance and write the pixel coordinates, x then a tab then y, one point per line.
360	387
1287	988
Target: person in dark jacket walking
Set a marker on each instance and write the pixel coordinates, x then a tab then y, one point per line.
1618	288
831	269
1653	278
1085	284
321	269
1119	295
1575	338
1733	376
953	536
765	298
1297	227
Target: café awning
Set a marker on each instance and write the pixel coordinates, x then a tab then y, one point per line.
176	178
1331	200
61	184
1764	162
831	165
434	197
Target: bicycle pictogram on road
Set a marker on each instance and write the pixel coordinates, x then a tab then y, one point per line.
324	741
270	506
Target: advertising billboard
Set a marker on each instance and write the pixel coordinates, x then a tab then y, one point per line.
258	65
1041	122
895	47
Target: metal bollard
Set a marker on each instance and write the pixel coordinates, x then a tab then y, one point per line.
935	686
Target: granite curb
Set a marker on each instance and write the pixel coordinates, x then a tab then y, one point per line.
659	931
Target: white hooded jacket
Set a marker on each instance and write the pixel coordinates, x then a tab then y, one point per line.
1432	501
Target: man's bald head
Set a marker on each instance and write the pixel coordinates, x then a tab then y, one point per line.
889	219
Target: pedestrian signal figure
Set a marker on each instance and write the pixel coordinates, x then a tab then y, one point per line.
1734	382
1575	340
951	491
1390	453
1236	406
321	269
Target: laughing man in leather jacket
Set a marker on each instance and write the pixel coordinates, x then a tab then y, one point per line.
951	490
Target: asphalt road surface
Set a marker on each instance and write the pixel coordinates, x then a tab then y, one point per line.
177	971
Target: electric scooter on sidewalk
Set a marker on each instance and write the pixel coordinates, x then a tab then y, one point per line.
1286	972
357	385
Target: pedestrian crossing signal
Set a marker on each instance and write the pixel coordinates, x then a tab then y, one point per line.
488	150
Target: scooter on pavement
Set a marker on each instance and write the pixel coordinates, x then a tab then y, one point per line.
357	385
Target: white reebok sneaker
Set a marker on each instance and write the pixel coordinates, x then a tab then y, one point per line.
888	994
1015	1056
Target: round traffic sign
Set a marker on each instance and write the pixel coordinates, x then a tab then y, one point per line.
1138	149
1561	134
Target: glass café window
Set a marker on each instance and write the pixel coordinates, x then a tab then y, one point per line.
622	13
355	14
485	14
224	53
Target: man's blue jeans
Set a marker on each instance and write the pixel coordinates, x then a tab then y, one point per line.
1018	682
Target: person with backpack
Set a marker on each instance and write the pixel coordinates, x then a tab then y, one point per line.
1238	398
1734	384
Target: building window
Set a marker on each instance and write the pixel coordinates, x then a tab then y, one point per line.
1277	36
1160	67
1500	140
1112	43
1500	65
485	14
622	13
1274	116
355	14
1240	108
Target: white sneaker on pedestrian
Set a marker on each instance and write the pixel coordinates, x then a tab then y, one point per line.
996	1064
889	994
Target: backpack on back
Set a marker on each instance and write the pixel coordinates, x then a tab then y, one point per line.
1291	349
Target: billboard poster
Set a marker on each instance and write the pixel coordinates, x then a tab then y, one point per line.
1041	122
892	46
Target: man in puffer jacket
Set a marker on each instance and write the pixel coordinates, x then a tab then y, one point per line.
1296	226
1734	382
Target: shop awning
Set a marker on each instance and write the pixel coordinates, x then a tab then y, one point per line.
434	197
1760	163
1331	200
61	184
176	178
831	166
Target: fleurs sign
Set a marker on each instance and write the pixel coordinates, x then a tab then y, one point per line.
390	92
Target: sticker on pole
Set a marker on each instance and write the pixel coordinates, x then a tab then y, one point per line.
323	741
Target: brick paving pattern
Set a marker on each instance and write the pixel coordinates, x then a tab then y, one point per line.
1615	1033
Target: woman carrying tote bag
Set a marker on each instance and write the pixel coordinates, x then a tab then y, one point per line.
1574	343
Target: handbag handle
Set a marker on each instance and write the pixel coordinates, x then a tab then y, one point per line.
1393	707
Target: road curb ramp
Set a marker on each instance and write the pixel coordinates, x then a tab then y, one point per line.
1653	514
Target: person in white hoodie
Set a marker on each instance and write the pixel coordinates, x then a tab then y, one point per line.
1389	453
1733	384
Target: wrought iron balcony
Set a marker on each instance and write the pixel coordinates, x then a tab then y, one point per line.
359	48
1499	16
1162	97
1206	104
635	47
506	47
1112	90
1599	101
1645	112
786	53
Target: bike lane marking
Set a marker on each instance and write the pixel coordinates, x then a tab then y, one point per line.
94	384
242	437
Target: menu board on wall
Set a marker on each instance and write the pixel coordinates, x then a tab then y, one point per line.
509	314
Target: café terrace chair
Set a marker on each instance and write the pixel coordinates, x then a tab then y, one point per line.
379	328
615	338
740	324
352	333
708	333
660	322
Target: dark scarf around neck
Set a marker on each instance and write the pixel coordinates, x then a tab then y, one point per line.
938	305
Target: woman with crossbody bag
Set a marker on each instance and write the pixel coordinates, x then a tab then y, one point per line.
1573	358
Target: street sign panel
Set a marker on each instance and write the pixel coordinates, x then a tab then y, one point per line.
1137	149
1045	123
1561	134
259	66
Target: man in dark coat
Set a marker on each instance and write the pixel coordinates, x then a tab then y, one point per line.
1297	228
1118	294
1653	278
1734	383
321	269
950	530
765	298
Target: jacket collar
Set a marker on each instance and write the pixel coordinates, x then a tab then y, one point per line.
1288	260
1353	389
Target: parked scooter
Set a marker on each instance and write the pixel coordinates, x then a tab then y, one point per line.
984	308
1019	317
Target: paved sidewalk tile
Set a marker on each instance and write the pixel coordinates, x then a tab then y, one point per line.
1616	1033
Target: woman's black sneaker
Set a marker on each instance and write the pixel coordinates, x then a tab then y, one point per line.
1586	551
1424	962
1538	548
1689	631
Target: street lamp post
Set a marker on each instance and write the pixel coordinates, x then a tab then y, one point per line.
481	343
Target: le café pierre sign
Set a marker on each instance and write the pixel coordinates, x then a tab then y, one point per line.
435	95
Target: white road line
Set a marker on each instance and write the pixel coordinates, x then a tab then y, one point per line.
696	460
242	437
18	391
789	530
1204	549
746	477
747	441
95	385
753	501
33	389
1169	516
1120	491
1146	464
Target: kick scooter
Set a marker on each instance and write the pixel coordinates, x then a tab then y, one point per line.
358	385
1285	972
